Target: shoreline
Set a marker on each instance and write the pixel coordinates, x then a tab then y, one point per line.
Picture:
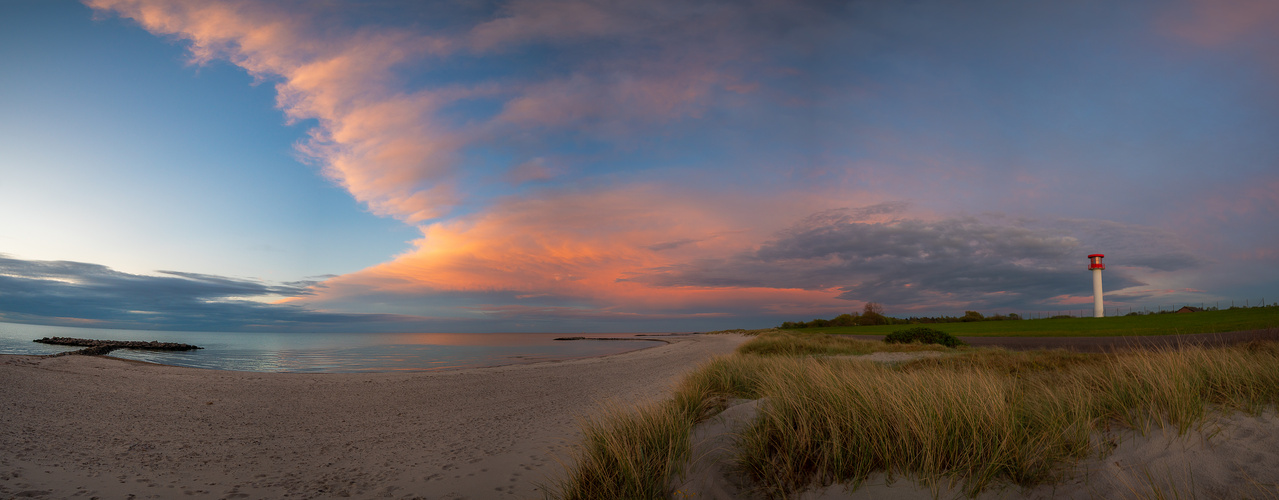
657	342
109	427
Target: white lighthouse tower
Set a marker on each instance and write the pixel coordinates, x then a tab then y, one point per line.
1095	265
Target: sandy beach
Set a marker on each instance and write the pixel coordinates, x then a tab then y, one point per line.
85	427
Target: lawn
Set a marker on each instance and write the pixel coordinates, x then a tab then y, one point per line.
1230	320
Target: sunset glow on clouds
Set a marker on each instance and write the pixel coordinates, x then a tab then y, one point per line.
586	165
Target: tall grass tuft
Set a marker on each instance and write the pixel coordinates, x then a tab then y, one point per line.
983	417
978	417
840	422
633	452
629	453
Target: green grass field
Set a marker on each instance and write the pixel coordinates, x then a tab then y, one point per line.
1232	320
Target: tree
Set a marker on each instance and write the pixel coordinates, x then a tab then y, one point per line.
872	314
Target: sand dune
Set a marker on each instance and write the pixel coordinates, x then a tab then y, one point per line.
1229	456
82	427
1233	455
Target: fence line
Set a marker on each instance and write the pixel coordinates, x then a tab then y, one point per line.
1157	309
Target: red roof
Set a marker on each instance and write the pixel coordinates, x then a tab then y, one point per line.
1095	255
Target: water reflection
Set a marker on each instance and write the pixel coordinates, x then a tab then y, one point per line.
328	352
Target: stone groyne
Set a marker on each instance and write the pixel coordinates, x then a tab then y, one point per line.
99	347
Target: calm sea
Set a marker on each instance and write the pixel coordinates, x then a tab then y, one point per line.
329	352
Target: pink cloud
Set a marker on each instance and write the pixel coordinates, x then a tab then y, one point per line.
1213	22
378	142
525	21
645	95
536	169
581	246
1258	197
667	60
1260	254
386	144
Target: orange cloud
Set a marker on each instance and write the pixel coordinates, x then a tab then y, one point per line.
582	246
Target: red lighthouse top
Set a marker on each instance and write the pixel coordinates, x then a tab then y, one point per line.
1094	261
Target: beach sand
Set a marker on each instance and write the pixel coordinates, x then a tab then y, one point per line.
84	427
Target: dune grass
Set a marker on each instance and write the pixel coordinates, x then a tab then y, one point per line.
978	417
985	417
631	452
1230	320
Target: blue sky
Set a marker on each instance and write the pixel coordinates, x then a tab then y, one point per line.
118	151
578	165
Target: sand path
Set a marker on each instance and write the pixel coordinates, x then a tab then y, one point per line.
83	427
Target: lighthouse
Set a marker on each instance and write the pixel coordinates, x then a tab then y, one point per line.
1095	265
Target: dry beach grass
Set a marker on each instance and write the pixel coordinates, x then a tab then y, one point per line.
81	426
971	423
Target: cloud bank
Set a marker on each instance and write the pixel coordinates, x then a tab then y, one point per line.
648	165
80	294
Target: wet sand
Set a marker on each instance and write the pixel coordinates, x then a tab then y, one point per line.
84	427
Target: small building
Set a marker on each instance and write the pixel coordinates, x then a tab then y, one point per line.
1188	309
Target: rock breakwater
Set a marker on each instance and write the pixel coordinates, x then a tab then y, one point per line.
100	347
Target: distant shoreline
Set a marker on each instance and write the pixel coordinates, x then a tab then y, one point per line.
330	353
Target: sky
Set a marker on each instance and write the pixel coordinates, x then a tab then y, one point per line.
581	165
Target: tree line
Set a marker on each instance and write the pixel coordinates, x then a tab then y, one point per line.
873	314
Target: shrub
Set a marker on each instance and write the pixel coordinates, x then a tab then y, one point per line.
844	320
972	316
923	335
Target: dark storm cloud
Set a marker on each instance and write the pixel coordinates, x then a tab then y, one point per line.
988	261
53	291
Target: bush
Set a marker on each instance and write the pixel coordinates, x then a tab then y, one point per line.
923	335
844	320
972	316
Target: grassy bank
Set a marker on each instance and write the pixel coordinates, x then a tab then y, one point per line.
1231	320
979	417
